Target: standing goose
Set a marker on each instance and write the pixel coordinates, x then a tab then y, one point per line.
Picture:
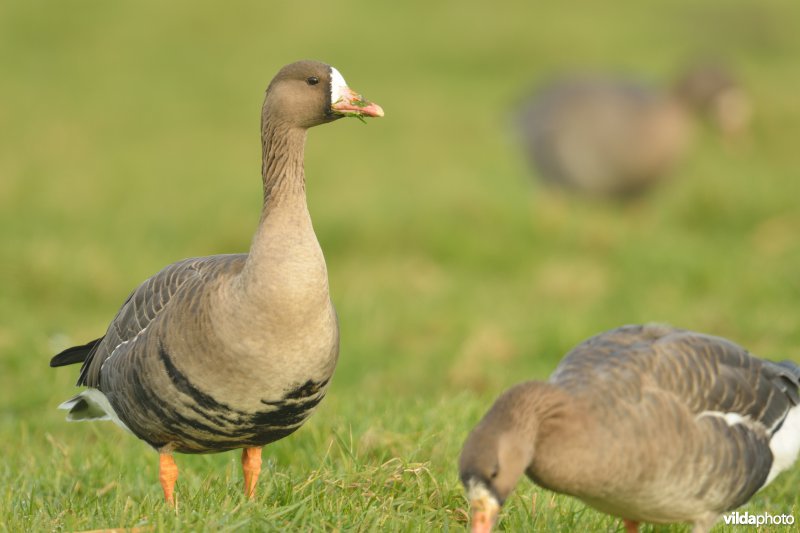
647	423
231	351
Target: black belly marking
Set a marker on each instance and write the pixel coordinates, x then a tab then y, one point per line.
294	407
286	414
202	424
309	388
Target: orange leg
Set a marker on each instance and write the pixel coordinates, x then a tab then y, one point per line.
167	474
251	468
630	526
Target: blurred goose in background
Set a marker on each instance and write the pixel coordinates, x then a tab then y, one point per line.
613	137
711	92
647	423
231	351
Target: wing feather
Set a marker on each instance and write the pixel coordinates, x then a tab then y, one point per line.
143	305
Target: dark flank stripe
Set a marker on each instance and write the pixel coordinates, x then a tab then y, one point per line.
168	418
218	418
203	400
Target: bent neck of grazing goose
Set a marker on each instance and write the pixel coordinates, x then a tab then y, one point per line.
535	428
502	445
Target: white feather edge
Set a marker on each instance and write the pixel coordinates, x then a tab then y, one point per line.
730	418
120	345
784	444
96	399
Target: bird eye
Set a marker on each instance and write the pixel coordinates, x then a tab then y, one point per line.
312	80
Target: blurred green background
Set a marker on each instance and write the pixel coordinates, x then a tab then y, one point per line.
129	139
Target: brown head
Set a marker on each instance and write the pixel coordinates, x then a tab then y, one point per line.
500	449
309	93
712	92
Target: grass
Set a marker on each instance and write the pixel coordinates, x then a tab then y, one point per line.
129	141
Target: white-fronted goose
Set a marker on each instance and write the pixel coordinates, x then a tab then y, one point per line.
231	351
615	137
647	423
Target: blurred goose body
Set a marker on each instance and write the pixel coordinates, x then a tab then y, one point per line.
231	351
647	423
603	137
613	137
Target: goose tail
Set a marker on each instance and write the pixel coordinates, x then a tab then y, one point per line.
76	354
89	405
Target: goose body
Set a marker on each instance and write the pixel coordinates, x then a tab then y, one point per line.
231	351
614	137
174	378
647	423
603	137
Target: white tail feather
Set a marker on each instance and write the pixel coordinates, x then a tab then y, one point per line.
785	443
91	404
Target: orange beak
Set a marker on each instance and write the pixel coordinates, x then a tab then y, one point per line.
352	103
484	515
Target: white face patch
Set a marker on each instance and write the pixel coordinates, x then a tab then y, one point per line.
484	507
478	491
338	86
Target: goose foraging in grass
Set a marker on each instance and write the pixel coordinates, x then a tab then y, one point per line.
647	423
612	137
231	351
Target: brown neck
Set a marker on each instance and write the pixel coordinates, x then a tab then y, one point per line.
282	171
285	260
510	433
567	458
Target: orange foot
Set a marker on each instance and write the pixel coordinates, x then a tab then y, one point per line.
630	526
251	468
168	474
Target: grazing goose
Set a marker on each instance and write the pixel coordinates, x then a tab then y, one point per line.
612	137
647	423
231	351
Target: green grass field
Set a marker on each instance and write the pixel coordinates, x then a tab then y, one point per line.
129	140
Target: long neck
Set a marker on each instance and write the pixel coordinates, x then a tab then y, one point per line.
282	170
284	255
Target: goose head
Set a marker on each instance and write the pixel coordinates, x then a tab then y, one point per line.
712	91
309	93
490	467
497	453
